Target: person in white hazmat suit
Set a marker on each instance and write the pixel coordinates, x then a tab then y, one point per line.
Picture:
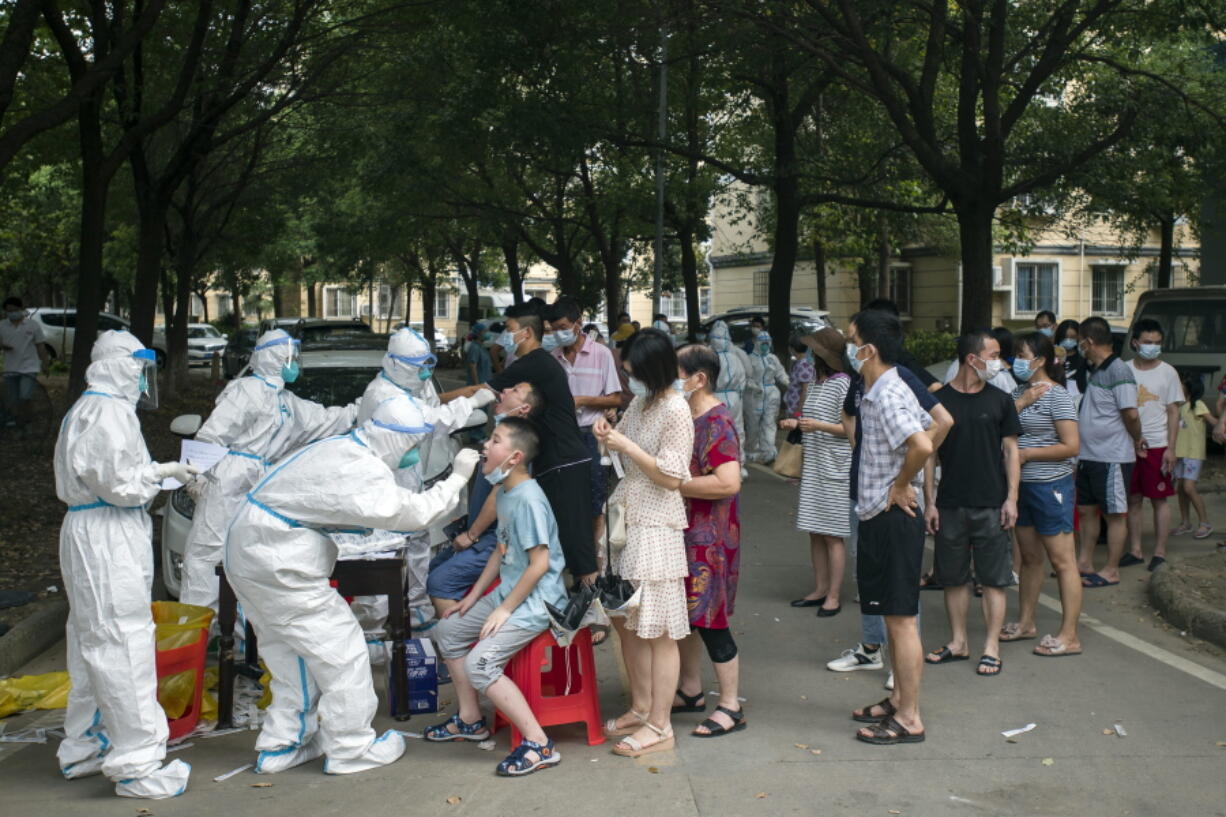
259	421
278	558
762	399
114	724
407	369
733	376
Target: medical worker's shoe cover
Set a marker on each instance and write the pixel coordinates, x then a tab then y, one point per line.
386	749
168	781
278	760
82	768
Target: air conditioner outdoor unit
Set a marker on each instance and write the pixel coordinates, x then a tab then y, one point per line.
1002	276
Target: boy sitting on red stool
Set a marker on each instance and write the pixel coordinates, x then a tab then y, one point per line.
529	562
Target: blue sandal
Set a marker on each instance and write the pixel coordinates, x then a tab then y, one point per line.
517	763
439	733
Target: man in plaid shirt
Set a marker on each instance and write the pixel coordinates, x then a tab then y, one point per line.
894	450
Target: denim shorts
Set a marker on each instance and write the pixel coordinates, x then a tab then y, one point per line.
1046	506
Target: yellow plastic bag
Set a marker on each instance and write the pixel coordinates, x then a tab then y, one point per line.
179	625
48	691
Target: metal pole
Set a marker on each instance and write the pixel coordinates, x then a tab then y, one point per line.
661	134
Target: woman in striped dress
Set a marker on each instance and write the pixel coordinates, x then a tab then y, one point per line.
823	510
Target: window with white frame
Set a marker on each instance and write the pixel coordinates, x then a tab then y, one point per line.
762	286
672	304
338	303
1035	285
442	305
1107	289
900	288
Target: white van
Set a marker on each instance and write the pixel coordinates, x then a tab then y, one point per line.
1193	323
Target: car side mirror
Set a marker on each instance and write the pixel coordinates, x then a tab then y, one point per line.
186	425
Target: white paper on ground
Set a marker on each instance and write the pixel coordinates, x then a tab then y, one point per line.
1012	733
199	454
231	773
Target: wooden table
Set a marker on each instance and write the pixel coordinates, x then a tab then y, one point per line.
354	577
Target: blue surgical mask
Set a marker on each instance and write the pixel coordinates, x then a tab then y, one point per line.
852	351
499	417
16	315
424	374
1069	343
679	386
549	342
1021	369
500	473
638	388
1046	331
1149	351
290	371
564	337
410	458
507	341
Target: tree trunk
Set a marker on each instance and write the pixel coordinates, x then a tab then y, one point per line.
866	279
151	246
94	184
975	238
883	255
427	305
510	252
819	271
312	309
1166	251
689	275
783	262
275	278
176	329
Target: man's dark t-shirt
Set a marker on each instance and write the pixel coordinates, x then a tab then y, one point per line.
560	440
972	462
907	361
851	407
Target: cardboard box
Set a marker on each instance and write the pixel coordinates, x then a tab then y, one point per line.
422	678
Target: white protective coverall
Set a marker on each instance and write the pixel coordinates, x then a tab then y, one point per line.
762	399
734	367
407	368
278	560
260	422
103	472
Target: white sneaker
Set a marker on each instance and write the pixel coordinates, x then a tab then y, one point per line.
168	781
857	659
889	682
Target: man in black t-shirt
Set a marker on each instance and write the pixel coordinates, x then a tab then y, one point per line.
976	503
561	467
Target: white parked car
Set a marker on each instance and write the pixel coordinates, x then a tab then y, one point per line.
441	344
332	374
60	329
203	342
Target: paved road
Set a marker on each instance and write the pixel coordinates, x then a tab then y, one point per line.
1167	691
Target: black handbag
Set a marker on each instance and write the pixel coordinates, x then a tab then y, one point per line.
615	592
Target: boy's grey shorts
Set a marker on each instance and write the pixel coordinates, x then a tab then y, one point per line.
485	661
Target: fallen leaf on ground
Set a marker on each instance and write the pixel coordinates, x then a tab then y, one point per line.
801	745
895	811
1010	740
261	785
815	751
653	769
454	800
1108	731
1049	761
144	812
804	697
761	795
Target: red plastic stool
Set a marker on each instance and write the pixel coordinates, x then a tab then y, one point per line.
565	692
185	659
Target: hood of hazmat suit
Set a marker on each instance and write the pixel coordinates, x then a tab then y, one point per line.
409	362
103	472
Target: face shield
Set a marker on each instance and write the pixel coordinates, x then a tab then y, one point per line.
287	351
148	382
395	440
422	364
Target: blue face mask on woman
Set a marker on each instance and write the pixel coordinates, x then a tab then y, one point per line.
410	458
290	371
1021	369
638	388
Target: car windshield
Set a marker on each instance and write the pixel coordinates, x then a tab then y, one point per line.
202	332
738	328
332	386
1191	325
327	337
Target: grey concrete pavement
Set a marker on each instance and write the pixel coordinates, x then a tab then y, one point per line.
1168	691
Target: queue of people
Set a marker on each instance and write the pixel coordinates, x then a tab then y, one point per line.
677	426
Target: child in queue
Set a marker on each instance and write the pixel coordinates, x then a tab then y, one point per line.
528	561
1190	447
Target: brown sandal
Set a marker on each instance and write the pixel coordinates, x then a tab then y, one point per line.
889	732
887	707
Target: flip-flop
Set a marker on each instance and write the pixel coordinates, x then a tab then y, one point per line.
1012	632
1207	531
1128	560
991	662
945	656
889	732
1095	580
1055	648
1156	563
887	711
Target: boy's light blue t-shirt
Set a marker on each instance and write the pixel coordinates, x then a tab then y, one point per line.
525	521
